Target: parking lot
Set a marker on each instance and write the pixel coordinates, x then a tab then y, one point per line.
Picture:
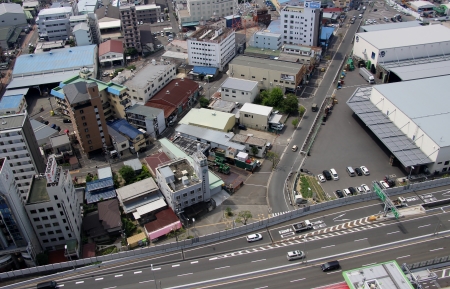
344	141
380	10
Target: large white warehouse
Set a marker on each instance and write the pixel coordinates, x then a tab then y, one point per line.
409	118
380	47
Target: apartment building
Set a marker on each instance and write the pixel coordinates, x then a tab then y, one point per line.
212	47
149	118
144	83
86	113
197	10
183	184
130	31
83	35
18	236
301	24
53	23
54	209
92	21
266	40
18	144
148	13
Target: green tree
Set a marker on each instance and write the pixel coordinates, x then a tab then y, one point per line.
128	226
295	122
265	94
243	217
145	174
131	67
204	102
131	51
116	180
42	259
229	212
254	150
275	98
274	157
290	103
88	178
301	110
127	174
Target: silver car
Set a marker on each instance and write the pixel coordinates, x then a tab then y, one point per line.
254	237
294	255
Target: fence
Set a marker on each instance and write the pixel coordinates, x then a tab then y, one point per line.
427	263
206	239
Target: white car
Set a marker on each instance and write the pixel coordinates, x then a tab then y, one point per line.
294	255
321	178
254	237
374	21
365	188
347	192
384	184
365	170
334	174
360	190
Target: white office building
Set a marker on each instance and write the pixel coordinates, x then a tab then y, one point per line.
239	90
143	84
266	40
16	231
54	209
197	10
301	24
18	144
53	23
183	184
212	47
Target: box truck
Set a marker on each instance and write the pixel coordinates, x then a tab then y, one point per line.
367	75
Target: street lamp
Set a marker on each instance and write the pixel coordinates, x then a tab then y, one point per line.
154	279
70	258
410	171
50	103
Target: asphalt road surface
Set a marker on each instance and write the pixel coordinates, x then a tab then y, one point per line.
278	202
260	264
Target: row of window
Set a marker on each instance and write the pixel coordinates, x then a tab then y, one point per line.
42	234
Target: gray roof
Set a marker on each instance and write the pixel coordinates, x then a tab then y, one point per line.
16	91
137	189
10	8
264	63
81	26
213	136
424	70
389	26
111	12
404	149
19	81
148	73
407	36
76	92
147	111
135	164
42	131
12	121
239	84
116	136
104	173
59	140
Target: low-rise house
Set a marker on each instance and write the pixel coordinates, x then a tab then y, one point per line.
207	118
239	90
136	138
166	222
149	118
12	104
105	223
111	52
135	164
250	142
100	190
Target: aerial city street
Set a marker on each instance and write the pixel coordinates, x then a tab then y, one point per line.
224	144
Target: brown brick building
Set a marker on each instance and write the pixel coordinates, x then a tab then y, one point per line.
87	116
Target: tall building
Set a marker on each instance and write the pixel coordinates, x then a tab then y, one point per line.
18	144
301	24
182	184
130	31
53	23
148	13
87	115
16	232
210	46
53	207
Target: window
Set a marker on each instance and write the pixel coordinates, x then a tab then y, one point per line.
199	197
83	118
84	123
56	197
36	219
178	197
70	235
444	169
49	209
88	136
58	231
67	228
91	147
186	202
44	218
61	238
184	195
89	142
33	211
373	55
86	130
193	200
54	239
55	224
48	225
52	216
45	241
39	227
123	146
446	163
81	111
41	210
192	192
50	232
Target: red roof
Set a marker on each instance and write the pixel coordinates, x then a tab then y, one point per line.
89	250
154	160
176	93
163	218
110	46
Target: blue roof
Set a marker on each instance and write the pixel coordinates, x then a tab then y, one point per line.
204	70
100	190
122	126
326	33
275	26
10	101
55	60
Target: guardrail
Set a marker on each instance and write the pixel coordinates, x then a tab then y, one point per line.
210	238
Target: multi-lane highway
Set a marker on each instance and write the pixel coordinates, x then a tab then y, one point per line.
264	263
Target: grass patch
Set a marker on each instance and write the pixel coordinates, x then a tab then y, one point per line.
308	185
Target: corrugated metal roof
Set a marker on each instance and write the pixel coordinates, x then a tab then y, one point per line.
116	136
207	118
425	70
256	109
388	26
41	78
11	101
42	131
100	190
204	70
239	84
146	111
262	63
122	126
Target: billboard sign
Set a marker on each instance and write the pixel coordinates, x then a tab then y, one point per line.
287	77
313	5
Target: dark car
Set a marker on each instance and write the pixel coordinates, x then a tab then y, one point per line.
45	122
58	128
328	266
339	193
46	285
241	126
66	120
352	190
358	171
375	10
393	19
327	175
53	126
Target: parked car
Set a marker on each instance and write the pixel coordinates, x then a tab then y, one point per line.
339	193
352	190
241	126
360	190
53	126
327	175
358	171
365	188
384	185
365	170
334	174
254	237
67	120
321	178
58	128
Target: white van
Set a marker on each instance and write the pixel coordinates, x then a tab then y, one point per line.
334	174
351	171
364	8
360	16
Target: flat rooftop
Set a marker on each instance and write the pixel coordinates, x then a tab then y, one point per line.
222	105
11	101
135	190
189	145
141	77
221	138
180	173
251	140
388	26
239	84
257	109
38	191
14	121
211	34
262	63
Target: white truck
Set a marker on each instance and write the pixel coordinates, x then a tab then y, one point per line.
367	75
399	202
302	226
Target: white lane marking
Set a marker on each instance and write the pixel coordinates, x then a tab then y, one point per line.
335	272
79	282
138	272
443	273
185	274
369	264
436	249
146	281
360	239
176	265
297	280
262	287
194	262
110	287
98	279
120	275
258	260
328	246
424	226
222	267
401	257
60	285
393	232
215	258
